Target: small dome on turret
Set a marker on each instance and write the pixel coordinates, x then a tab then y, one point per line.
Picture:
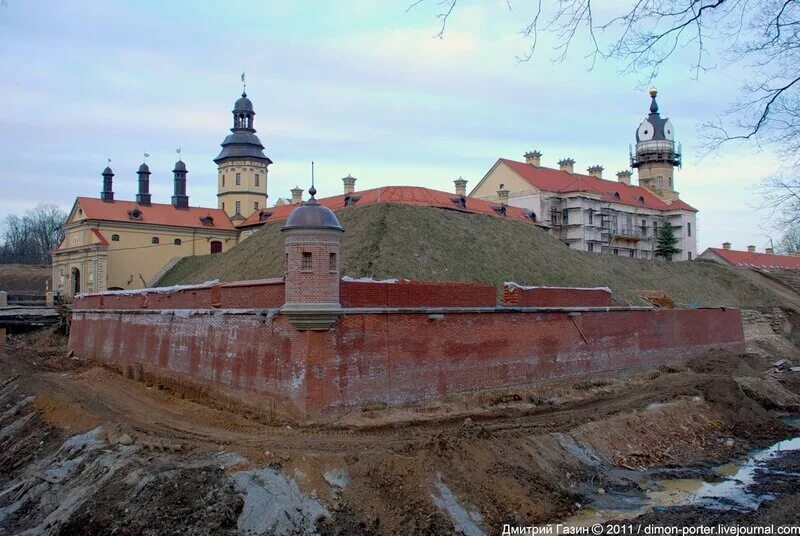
144	168
243	104
107	171
179	166
312	215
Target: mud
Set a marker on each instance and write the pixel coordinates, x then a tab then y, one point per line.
85	450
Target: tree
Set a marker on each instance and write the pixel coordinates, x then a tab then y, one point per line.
666	243
30	239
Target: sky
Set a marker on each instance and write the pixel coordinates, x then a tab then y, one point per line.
360	87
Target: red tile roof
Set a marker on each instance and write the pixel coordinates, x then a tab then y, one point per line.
157	214
757	260
406	195
555	180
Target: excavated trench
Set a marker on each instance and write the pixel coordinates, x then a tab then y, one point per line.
85	450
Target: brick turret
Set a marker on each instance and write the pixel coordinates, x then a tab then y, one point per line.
312	238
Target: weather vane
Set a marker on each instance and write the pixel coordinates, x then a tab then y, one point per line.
146	156
244	85
179	153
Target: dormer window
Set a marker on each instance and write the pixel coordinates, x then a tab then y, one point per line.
207	220
135	214
616	195
641	200
351	199
459	201
500	210
264	215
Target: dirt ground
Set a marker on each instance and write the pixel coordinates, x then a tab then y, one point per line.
24	277
85	450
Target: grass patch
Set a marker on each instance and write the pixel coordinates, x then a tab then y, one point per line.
392	240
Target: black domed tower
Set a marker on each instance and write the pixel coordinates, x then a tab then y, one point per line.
242	165
656	153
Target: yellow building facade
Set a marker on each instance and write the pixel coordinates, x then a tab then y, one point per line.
120	245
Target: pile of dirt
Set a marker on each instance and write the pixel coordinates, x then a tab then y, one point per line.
178	501
24	277
391	240
88	450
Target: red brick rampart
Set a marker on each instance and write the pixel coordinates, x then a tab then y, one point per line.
519	296
392	357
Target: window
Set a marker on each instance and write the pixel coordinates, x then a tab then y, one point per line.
216	246
616	251
115	238
332	262
238	207
565	217
223	205
238	179
306	264
154	240
286	263
644	227
223	181
591	246
633	253
255	205
590	218
256	179
689	229
177	242
689	255
655	228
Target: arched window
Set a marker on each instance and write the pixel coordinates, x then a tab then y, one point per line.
177	242
154	240
115	238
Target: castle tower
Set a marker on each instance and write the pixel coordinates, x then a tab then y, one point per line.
312	237
656	153
242	166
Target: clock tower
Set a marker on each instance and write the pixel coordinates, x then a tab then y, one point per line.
656	153
242	166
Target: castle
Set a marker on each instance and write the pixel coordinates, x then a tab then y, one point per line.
311	344
112	244
590	213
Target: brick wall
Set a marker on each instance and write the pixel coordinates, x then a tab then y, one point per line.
395	358
416	294
517	296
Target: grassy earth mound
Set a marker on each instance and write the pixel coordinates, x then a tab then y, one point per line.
393	240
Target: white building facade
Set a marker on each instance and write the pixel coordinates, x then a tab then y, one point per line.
593	214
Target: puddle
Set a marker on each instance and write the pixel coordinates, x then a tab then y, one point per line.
729	493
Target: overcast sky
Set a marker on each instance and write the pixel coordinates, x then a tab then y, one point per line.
360	87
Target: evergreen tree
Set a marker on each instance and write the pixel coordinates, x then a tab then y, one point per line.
666	243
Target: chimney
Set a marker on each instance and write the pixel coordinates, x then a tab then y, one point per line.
769	251
502	195
624	177
349	184
461	186
179	198
751	249
533	158
143	197
297	195
108	181
726	245
567	164
596	171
